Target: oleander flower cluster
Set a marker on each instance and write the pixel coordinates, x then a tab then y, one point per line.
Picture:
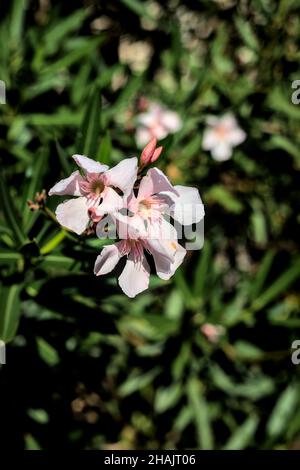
145	208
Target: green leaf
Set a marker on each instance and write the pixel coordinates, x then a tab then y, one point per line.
246	32
9	311
17	22
9	257
243	435
104	154
54	242
222	196
39	415
64	159
167	397
35	185
261	275
202	269
138	7
54	36
283	411
88	138
47	352
10	212
279	286
138	381
201	415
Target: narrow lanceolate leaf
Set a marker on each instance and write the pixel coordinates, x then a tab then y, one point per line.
201	415
10	212
9	257
279	286
35	185
262	274
202	269
64	159
54	242
283	411
88	138
104	154
9	311
243	435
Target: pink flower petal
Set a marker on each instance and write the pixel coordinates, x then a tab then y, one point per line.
171	121
89	165
68	186
154	182
111	202
209	139
237	136
107	260
123	175
222	152
135	277
188	208
73	214
178	259
142	136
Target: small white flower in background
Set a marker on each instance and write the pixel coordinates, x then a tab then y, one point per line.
221	135
212	332
157	122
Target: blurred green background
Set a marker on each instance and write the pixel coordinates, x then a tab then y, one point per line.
88	368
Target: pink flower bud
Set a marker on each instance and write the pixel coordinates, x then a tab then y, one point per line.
150	153
156	154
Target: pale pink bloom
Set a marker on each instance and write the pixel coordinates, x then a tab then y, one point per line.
157	197
95	191
221	135
156	122
212	332
150	153
167	254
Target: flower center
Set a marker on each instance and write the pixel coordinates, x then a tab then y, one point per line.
96	187
222	131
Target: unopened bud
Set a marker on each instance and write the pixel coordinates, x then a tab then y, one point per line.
150	153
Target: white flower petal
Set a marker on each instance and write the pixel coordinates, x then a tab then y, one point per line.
171	121
209	140
123	175
67	186
135	277
188	208
154	182
178	259
112	202
221	152
107	260
237	136
89	165
73	214
143	136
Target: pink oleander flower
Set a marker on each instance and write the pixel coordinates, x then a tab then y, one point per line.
157	197
156	122
94	190
221	136
212	332
135	243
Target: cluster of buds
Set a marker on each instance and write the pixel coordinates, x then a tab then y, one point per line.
39	201
150	153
